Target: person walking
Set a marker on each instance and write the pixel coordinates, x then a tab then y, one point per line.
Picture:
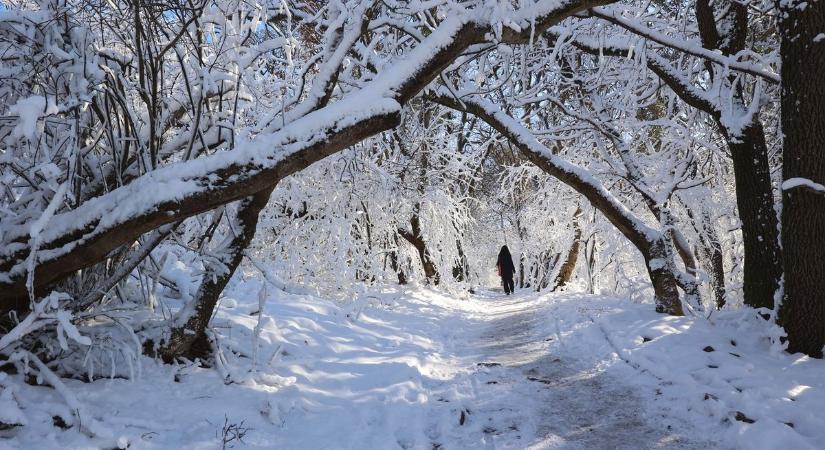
506	269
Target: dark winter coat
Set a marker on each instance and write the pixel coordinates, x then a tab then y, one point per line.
505	263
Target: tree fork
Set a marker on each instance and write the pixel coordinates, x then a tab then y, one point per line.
417	240
189	340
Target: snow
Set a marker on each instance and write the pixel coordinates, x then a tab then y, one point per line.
793	183
423	369
29	110
67	328
178	181
10	412
713	370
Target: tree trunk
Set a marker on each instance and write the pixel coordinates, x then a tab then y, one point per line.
396	265
590	257
189	339
417	240
710	253
803	211
460	269
760	226
402	278
749	153
716	269
659	266
569	264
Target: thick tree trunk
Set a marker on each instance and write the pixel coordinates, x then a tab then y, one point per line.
569	264
716	270
760	226
189	339
749	152
803	210
659	267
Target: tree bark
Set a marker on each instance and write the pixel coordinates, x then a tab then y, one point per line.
460	267
803	210
590	258
395	264
660	270
760	226
569	264
749	153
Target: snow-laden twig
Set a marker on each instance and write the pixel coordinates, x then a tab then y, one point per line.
45	312
34	235
276	281
691	48
256	333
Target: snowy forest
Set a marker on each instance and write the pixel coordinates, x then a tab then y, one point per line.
277	224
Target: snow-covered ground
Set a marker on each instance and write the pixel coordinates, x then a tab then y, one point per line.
427	370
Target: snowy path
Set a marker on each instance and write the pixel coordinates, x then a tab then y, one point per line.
533	392
426	370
